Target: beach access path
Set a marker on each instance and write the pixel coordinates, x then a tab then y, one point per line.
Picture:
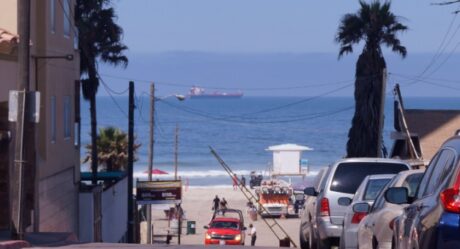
197	204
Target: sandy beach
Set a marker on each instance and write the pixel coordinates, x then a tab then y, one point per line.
197	204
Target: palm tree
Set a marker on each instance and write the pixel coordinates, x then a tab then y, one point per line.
112	149
99	40
374	24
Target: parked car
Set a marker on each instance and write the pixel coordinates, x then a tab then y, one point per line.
432	218
226	228
343	180
367	192
309	211
376	229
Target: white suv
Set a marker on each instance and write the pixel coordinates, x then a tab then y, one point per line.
342	180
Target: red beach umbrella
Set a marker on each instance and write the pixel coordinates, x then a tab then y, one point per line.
157	172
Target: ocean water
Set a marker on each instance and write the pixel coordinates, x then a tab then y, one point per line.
239	130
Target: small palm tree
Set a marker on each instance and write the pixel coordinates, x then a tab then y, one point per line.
99	39
112	150
375	25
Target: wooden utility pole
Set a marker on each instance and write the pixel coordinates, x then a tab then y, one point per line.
130	229
382	114
176	151
151	151
18	181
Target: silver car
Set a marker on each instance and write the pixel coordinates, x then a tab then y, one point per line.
366	193
309	211
342	180
375	231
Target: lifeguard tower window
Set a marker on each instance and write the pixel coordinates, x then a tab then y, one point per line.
401	148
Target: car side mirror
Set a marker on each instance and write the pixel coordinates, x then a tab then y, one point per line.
310	191
361	207
344	201
206	227
397	195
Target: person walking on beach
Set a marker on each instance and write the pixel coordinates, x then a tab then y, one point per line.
235	182
243	181
216	202
223	205
253	234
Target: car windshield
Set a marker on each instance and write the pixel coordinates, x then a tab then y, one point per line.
224	224
373	188
357	171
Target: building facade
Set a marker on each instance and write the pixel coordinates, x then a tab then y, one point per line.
53	166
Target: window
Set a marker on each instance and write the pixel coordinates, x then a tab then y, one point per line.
67	118
53	15
380	199
358	171
373	188
440	171
67	17
53	119
412	182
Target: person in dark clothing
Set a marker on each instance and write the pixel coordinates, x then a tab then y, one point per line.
216	202
253	234
243	181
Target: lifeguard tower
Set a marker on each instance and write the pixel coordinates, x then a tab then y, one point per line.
287	159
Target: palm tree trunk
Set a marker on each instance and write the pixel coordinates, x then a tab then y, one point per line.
364	132
94	160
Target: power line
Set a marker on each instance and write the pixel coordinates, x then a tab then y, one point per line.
306	85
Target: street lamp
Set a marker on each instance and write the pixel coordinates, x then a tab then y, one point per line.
68	57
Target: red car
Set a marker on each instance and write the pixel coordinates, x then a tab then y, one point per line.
225	229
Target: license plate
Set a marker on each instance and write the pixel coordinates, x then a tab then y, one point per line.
221	242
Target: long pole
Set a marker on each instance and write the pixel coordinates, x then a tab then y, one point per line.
382	115
130	163
176	151
151	151
17	207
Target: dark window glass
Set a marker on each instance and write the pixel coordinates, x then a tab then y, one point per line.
412	182
373	188
380	199
348	176
224	224
441	170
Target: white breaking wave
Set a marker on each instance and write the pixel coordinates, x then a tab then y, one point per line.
195	174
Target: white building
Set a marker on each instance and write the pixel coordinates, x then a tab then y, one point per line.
287	158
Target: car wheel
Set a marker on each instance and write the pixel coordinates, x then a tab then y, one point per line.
307	241
323	244
375	243
311	240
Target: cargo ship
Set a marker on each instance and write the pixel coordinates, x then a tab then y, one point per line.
199	93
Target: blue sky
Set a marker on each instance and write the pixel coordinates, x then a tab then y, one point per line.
275	43
263	25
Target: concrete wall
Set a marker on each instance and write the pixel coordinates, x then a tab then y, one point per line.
86	217
115	212
8	72
58	199
9	15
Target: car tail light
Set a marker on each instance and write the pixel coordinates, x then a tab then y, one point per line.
450	199
392	223
324	208
357	217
